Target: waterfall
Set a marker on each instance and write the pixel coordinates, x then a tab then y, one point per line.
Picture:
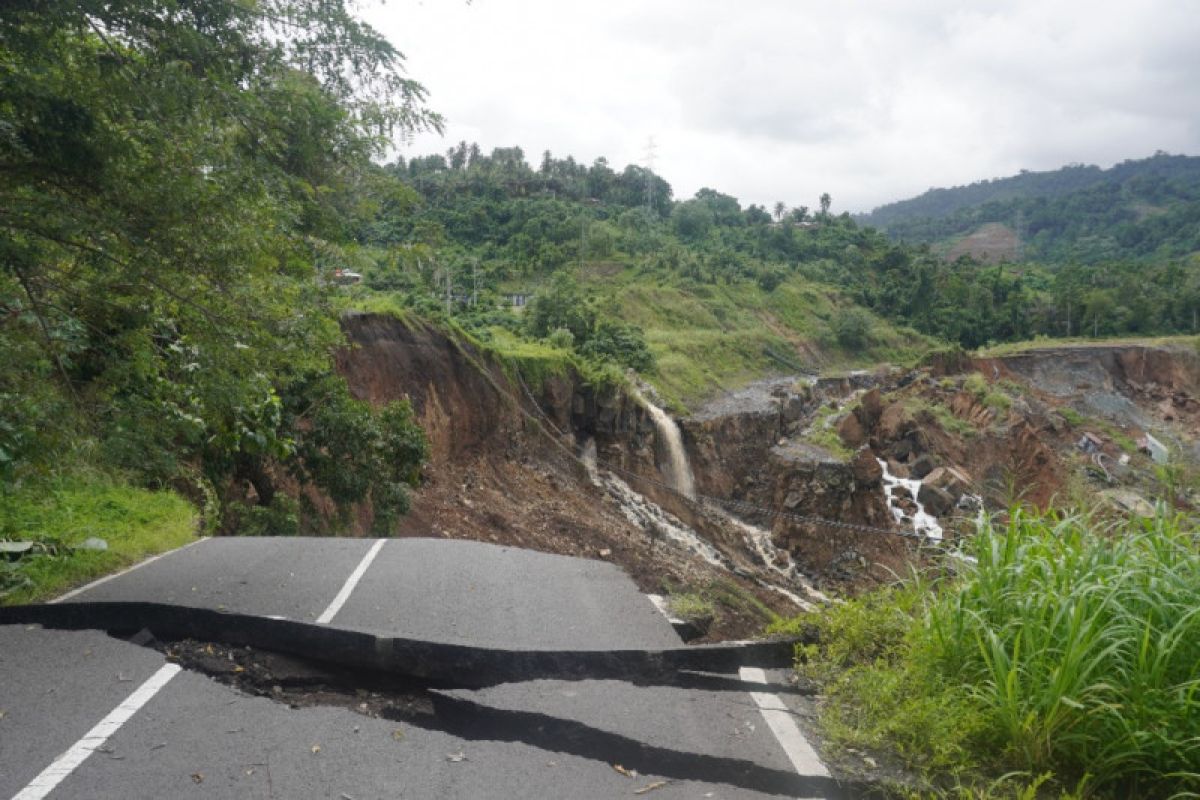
678	468
923	522
647	515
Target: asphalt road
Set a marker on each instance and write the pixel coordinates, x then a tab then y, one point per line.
77	721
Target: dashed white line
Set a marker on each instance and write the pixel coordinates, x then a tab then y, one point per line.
351	582
94	739
779	720
127	570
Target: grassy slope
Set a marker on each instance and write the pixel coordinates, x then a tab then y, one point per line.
134	522
1012	348
711	338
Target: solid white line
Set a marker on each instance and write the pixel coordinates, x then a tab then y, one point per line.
779	720
107	578
351	582
94	739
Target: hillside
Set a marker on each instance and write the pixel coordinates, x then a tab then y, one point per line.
1147	209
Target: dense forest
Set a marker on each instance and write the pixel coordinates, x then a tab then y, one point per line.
1144	210
494	223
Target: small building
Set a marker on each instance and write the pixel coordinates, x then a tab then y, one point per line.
344	277
517	299
1090	443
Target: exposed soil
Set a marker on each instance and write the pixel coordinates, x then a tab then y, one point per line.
506	466
505	471
991	243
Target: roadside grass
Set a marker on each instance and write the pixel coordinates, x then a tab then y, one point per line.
1069	653
61	512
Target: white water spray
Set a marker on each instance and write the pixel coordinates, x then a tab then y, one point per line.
647	515
923	522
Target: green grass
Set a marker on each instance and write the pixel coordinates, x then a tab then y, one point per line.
692	606
1041	342
67	510
1066	650
707	338
823	433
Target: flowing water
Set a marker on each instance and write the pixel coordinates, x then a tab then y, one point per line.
650	516
678	468
923	522
645	514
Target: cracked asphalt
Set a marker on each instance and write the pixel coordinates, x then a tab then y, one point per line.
197	737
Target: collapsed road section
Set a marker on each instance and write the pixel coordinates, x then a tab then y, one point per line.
177	710
437	664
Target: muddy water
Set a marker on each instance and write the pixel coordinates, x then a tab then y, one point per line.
678	468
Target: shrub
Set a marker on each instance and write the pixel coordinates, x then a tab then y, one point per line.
1064	649
852	328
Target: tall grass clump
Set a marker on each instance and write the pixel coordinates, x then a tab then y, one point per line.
1064	647
1082	646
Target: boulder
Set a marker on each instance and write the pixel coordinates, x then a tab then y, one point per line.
894	422
851	430
897	469
921	466
866	469
870	408
936	501
952	479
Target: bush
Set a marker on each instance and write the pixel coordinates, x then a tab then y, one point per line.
1063	649
852	328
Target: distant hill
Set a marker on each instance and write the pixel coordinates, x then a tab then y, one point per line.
1146	209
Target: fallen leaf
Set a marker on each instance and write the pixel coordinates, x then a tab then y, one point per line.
197	777
628	773
238	668
316	748
650	787
3	714
456	757
398	735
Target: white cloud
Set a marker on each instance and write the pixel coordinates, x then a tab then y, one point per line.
777	99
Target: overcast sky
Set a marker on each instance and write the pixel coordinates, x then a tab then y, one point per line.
769	100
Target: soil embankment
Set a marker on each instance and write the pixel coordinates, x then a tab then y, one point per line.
962	434
504	465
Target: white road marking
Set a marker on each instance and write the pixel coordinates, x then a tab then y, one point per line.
94	739
351	582
107	578
779	720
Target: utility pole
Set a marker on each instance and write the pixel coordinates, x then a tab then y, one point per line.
474	281
1020	226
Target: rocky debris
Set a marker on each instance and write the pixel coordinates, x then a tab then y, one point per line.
851	431
866	470
1128	501
921	466
952	480
936	501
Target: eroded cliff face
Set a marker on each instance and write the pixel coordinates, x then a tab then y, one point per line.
505	466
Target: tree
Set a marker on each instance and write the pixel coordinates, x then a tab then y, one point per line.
181	177
780	210
826	201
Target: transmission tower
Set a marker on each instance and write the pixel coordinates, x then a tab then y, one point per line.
650	148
